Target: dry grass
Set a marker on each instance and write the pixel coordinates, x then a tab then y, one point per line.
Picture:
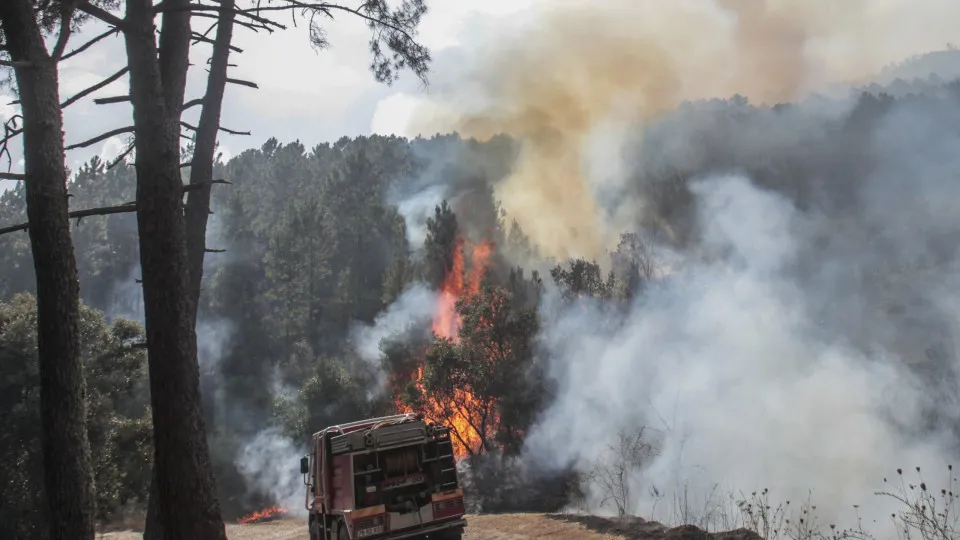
524	526
485	527
281	529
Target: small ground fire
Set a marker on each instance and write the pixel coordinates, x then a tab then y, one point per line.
260	516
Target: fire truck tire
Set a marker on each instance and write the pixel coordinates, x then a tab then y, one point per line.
456	534
315	530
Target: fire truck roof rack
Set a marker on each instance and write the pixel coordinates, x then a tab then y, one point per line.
351	426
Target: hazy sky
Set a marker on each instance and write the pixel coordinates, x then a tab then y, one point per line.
321	96
305	95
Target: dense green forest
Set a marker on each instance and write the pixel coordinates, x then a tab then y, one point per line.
310	246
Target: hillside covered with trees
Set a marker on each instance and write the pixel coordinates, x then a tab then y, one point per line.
312	249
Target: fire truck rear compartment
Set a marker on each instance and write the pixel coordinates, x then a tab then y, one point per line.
391	477
403	479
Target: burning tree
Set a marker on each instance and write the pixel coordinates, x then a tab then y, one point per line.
443	392
452	404
477	359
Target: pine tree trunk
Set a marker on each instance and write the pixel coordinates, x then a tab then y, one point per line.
198	201
153	528
188	508
68	477
201	167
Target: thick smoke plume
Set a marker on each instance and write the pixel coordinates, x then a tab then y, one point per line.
573	71
729	364
804	335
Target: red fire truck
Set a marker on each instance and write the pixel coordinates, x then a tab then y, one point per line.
383	478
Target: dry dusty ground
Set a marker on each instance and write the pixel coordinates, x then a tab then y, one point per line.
502	527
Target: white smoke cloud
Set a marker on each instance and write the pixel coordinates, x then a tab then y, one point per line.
126	298
269	461
727	363
415	304
270	464
213	338
417	208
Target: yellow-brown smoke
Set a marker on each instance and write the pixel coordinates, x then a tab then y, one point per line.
553	79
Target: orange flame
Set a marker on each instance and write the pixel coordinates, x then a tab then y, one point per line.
456	285
466	416
267	514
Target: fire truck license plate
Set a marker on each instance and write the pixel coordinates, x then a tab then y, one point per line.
363	533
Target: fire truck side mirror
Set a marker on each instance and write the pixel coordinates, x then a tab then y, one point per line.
304	465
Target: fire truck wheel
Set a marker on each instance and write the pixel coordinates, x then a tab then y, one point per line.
456	534
315	530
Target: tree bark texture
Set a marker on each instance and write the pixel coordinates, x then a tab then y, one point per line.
174	53
188	507
198	201
153	528
68	476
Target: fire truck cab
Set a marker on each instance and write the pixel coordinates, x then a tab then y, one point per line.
383	478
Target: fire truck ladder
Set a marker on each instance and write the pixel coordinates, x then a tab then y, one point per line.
373	422
448	466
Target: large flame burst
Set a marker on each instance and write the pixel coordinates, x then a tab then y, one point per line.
464	415
459	284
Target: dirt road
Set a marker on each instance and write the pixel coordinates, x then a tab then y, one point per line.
500	527
488	527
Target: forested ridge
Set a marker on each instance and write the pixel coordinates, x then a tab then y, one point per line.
308	248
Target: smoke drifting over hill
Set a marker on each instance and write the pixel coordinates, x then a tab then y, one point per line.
739	369
805	337
575	71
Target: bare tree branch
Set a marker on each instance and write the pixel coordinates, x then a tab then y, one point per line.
12	176
123	155
326	7
79	214
101	137
10	130
212	26
198	9
112	99
245	24
223	129
102	14
232	132
119	209
192	103
197	38
94	88
242	82
197	185
13	64
208	250
66	14
89	44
